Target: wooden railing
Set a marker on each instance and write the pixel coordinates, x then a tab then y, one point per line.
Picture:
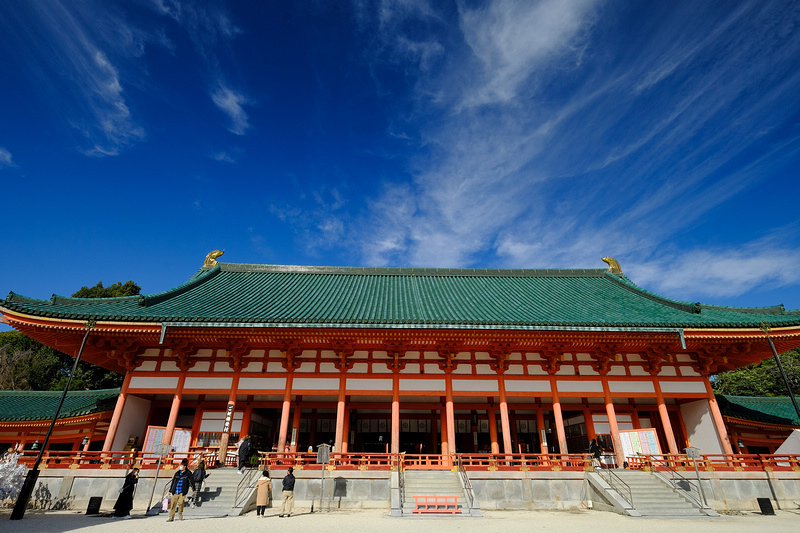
716	462
388	461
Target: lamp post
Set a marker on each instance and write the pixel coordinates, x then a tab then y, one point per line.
33	473
765	329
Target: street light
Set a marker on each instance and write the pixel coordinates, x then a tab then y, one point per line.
33	473
85	441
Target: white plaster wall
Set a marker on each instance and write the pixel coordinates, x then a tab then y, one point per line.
631	386
579	386
132	421
262	383
475	385
210	384
147	382
700	427
369	384
436	385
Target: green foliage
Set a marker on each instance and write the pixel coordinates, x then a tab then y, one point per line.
116	290
761	379
26	364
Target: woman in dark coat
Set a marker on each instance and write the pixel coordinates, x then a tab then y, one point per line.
125	501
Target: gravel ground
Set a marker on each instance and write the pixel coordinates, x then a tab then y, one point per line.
376	520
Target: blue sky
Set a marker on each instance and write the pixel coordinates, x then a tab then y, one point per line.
137	136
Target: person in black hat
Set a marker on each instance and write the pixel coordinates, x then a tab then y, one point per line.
288	494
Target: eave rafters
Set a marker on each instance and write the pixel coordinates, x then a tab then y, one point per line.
119	345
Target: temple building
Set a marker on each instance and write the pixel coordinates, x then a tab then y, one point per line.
422	361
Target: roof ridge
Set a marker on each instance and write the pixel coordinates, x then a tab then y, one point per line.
411	271
200	277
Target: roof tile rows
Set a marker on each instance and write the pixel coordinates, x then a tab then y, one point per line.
373	297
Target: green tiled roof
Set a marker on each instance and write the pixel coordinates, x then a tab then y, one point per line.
40	405
770	410
404	297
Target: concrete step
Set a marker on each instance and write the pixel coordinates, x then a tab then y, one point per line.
652	497
431	483
217	496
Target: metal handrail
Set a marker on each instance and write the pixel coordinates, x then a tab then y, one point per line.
244	483
616	483
467	484
679	484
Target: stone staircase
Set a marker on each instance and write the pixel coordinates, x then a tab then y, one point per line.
653	497
216	499
431	483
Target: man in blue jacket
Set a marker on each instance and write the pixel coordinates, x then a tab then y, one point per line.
181	482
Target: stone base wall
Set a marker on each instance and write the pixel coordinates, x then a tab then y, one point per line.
725	491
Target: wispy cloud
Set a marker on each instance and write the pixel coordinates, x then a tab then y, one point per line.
552	144
86	44
5	158
230	102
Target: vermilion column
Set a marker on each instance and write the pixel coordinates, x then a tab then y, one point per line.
395	414
346	430
718	421
451	425
662	410
504	416
444	431
612	422
493	430
285	409
230	408
587	419
173	412
340	412
560	433
296	424
115	418
541	429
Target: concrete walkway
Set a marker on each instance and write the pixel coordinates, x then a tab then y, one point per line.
375	520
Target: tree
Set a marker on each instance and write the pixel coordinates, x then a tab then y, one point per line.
761	379
26	364
114	291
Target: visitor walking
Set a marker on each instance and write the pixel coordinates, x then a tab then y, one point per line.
181	482
125	500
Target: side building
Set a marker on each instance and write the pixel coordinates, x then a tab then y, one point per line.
422	361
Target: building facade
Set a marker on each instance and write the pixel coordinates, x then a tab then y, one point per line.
422	361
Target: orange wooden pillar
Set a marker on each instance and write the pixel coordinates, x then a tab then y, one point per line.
560	432
504	423
340	412
295	425
229	411
443	431
718	420
451	425
665	422
541	429
395	448
285	410
589	421
118	408
612	423
493	429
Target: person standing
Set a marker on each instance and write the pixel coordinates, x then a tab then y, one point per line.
244	453
596	451
264	490
199	476
288	494
125	501
181	482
